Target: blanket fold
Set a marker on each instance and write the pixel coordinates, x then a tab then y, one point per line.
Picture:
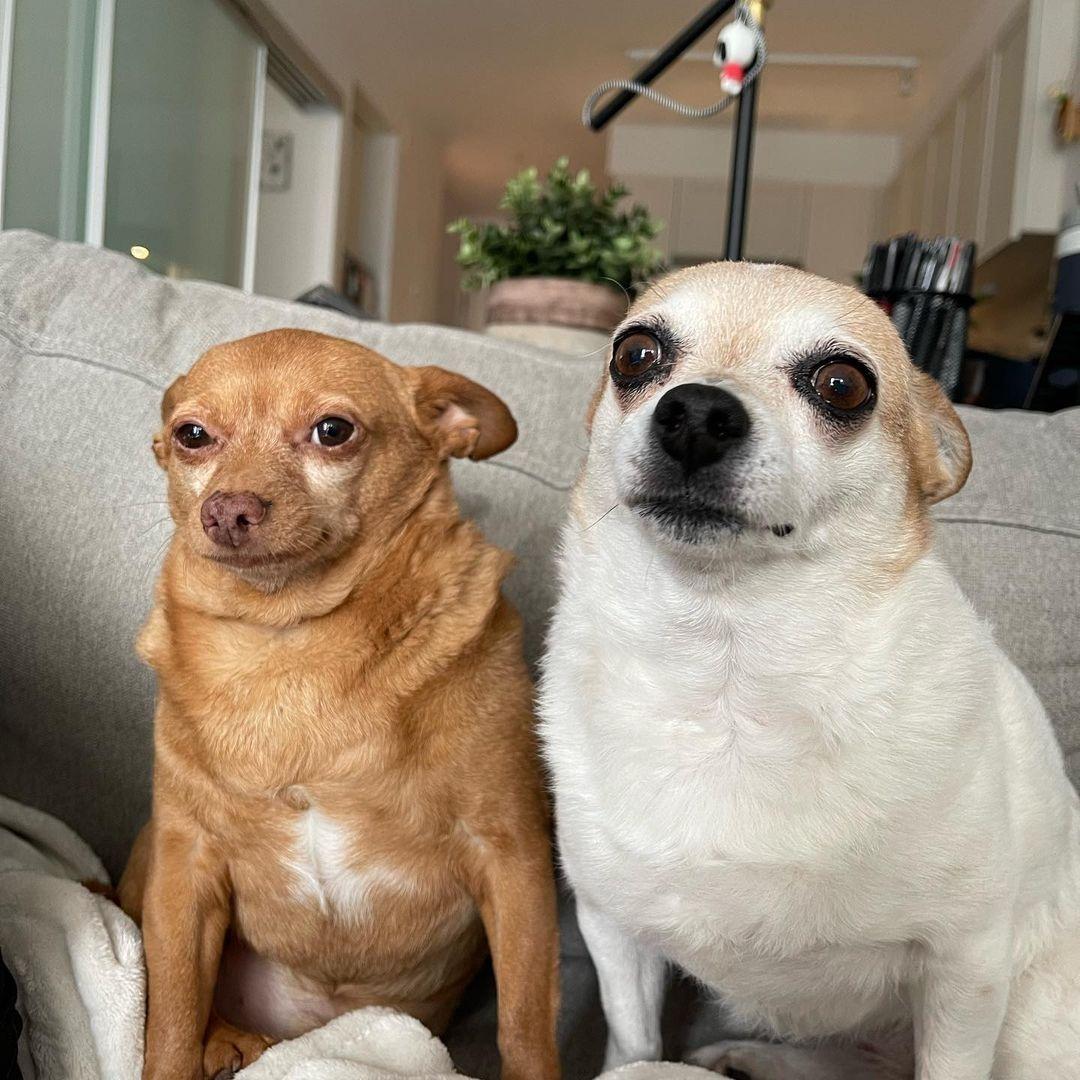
77	960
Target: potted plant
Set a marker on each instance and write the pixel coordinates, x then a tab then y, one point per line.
561	269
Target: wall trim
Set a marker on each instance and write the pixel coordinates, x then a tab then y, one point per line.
97	159
7	45
288	63
251	201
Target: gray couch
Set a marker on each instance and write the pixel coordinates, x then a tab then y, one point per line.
88	341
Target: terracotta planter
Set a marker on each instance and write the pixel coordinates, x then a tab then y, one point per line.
555	301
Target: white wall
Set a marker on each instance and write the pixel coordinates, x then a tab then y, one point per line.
47	121
1044	187
297	229
421	226
952	71
418	225
992	169
813	201
703	152
378	156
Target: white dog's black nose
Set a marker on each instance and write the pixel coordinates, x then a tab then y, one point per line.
696	424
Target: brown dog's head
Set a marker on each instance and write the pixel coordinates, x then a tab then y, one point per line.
285	448
762	407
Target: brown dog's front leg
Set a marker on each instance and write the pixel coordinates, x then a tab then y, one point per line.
184	918
517	905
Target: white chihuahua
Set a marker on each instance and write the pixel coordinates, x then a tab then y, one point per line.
787	755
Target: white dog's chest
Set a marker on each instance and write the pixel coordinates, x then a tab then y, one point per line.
789	944
702	810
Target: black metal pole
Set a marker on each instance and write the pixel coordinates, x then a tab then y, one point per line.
663	60
742	152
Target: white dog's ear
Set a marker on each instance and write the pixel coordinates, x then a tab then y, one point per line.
942	448
459	416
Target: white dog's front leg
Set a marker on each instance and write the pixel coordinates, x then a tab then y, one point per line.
631	988
959	1009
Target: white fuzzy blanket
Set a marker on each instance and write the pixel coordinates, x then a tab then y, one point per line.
77	960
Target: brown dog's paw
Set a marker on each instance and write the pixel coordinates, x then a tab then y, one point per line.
228	1050
101	889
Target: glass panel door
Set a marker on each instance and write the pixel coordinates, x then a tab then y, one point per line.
184	89
49	116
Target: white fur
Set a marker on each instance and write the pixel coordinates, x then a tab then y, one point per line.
325	874
828	796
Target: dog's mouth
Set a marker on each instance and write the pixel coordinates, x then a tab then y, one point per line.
693	520
243	560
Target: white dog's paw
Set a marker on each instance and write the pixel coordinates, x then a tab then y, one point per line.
745	1060
617	1056
749	1060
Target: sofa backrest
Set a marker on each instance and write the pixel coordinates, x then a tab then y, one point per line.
88	342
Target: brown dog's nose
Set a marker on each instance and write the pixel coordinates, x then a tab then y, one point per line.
228	517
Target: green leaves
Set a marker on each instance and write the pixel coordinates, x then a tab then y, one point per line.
562	227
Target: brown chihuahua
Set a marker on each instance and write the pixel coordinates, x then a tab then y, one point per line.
346	791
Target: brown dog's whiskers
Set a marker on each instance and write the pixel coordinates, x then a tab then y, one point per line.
154	525
131	506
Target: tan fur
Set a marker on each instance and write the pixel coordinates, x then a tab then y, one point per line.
915	415
360	661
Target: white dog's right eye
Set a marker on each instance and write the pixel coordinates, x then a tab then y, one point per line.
842	385
636	354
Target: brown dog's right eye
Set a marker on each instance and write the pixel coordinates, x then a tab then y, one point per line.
636	354
192	436
332	431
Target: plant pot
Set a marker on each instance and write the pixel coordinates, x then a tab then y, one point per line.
553	312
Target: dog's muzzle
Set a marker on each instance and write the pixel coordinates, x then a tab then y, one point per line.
697	425
689	483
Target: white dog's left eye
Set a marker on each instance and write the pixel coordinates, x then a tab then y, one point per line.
636	354
332	431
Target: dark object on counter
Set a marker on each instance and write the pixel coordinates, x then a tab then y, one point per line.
1057	382
925	286
992	381
10	1027
325	297
1067	253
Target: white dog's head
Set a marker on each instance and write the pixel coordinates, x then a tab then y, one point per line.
760	409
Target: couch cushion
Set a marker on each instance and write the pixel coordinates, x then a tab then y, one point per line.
88	341
1012	538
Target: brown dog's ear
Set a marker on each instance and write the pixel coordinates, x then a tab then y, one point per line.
171	394
167	403
460	417
943	450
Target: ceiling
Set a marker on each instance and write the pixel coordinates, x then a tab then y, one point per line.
501	82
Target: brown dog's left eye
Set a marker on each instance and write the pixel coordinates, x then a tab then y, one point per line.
332	431
192	436
842	385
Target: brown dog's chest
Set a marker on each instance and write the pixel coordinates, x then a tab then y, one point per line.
337	830
263	708
345	888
